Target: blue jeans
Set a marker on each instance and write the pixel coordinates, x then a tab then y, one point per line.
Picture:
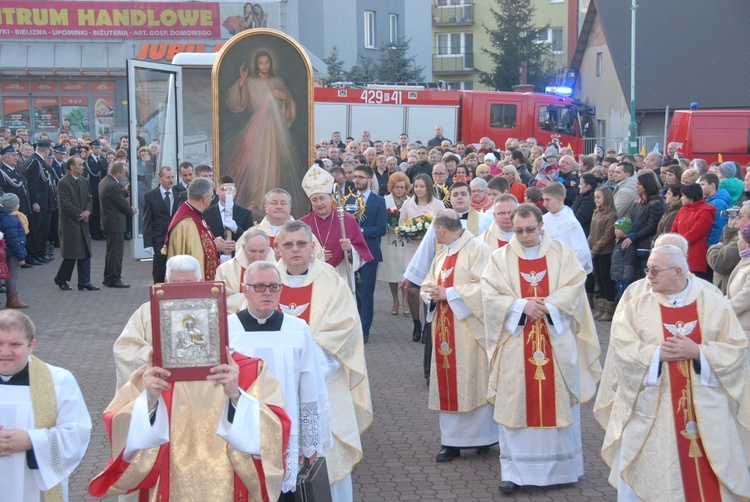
621	287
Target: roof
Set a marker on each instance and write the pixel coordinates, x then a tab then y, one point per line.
686	51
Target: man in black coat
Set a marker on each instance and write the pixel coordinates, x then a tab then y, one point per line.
421	167
241	220
97	167
41	182
159	206
12	181
114	209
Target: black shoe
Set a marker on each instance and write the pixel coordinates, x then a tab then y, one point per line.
366	338
87	286
49	257
447	454
116	284
417	333
128	236
508	487
63	284
27	265
33	261
43	259
483	450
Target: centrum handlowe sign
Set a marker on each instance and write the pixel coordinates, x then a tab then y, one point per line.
107	20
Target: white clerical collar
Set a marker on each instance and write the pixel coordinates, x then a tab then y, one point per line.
5	378
453	246
260	321
532	252
274	228
508	235
296	281
678	299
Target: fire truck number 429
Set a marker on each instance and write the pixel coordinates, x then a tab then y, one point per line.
379	96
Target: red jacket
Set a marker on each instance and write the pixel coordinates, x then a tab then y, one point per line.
694	222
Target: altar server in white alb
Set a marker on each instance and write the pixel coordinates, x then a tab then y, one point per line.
44	424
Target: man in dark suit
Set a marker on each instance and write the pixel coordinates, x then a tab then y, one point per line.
12	181
241	220
159	206
41	182
75	240
97	166
114	208
373	225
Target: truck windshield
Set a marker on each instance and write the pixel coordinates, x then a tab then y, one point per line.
559	119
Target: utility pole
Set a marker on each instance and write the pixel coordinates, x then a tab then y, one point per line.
633	140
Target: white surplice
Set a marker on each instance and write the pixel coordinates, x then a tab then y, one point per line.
293	357
564	227
57	450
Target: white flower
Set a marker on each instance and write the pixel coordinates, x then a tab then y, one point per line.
420	226
427	224
413	229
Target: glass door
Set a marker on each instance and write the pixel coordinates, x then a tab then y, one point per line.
154	111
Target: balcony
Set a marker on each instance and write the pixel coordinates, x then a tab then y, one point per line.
448	14
443	64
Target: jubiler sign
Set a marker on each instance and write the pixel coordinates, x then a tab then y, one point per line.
110	19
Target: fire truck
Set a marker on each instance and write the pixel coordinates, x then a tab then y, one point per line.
706	134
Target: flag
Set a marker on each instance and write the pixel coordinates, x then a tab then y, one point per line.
720	159
643	150
656	148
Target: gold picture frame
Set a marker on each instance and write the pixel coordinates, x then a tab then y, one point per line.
262	102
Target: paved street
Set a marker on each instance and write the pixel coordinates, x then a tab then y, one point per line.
76	330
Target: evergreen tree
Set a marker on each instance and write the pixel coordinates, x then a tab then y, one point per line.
513	40
335	66
395	65
363	71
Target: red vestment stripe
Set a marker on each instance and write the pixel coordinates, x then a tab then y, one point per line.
539	363
699	481
444	340
296	301
501	243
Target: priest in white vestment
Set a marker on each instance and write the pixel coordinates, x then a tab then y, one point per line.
44	424
561	224
543	352
132	347
501	231
252	246
286	345
314	292
673	398
459	371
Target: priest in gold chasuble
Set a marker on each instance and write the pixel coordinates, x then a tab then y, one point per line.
543	353
459	370
673	399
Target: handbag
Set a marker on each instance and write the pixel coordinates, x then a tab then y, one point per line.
4	272
312	482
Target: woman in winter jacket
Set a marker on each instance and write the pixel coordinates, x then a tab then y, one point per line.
738	288
645	214
583	206
693	222
602	243
672	204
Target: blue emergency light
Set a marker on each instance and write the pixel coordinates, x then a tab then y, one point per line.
558	90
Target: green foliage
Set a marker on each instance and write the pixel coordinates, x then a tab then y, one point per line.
363	71
335	66
512	40
395	64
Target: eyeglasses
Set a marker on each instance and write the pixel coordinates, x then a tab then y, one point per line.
478	190
655	271
260	288
299	244
521	231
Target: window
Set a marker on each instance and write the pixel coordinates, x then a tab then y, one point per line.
553	37
369	29
559	119
503	116
453	43
598	64
393	25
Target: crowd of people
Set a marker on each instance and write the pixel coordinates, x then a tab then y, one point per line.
519	252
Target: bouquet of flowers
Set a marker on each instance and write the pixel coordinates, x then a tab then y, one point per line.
393	215
414	228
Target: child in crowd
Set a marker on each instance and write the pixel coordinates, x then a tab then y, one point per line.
623	260
534	195
15	250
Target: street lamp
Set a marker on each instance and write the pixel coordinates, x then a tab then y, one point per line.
633	140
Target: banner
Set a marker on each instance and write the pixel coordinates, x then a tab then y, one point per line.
105	20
